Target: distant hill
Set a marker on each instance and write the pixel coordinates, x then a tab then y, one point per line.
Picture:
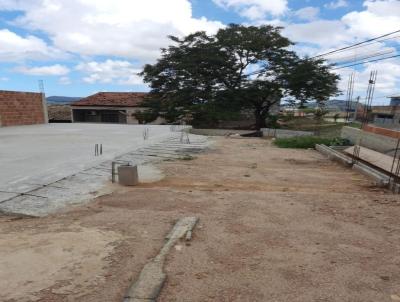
61	100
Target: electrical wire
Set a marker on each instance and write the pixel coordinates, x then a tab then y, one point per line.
353	59
356	44
361	46
371	61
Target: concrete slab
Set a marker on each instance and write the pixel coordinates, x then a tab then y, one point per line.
56	166
377	159
41	154
6	196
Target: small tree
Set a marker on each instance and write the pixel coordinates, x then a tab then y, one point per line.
319	114
146	116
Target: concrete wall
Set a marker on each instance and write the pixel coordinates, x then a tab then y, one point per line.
370	140
283	133
21	108
218	132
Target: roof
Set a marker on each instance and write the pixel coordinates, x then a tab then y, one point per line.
59	113
113	99
385	109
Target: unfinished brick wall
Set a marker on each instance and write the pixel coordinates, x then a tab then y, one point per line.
20	108
382	131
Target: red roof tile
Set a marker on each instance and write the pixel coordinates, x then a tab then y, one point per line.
113	99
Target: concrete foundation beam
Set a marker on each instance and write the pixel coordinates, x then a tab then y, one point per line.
380	179
334	155
395	187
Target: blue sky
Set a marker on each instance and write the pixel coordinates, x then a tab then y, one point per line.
79	47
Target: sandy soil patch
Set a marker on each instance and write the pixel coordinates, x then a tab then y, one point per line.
32	261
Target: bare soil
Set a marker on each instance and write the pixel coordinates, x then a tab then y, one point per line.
275	225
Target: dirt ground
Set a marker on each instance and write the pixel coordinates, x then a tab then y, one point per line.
275	225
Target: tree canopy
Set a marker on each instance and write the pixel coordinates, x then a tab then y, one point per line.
238	68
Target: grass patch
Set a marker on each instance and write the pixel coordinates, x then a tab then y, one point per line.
302	142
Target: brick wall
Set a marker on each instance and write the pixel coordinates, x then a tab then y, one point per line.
20	108
382	131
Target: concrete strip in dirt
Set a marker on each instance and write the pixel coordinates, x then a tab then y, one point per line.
152	277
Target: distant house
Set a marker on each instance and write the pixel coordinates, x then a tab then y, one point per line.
110	107
387	115
395	100
22	108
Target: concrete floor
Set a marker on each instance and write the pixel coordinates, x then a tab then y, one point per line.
47	168
39	154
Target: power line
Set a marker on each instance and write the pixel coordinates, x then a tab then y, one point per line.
361	46
354	46
371	61
356	62
362	59
380	40
368	56
351	46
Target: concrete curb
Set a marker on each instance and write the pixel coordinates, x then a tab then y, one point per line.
381	180
334	155
151	279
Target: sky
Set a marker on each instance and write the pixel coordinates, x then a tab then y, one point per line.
80	47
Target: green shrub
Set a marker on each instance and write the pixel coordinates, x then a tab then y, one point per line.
302	142
338	141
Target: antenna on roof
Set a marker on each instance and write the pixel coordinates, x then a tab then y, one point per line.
44	102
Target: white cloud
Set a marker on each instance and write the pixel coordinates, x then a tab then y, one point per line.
387	83
110	71
125	28
17	48
337	4
64	81
4	79
380	17
53	70
307	13
324	33
255	9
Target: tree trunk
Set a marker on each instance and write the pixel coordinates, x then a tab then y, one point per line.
260	119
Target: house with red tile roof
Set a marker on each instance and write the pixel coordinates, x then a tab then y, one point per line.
110	107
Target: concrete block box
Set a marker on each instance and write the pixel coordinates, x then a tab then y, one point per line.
128	175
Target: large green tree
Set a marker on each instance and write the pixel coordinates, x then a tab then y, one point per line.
239	68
